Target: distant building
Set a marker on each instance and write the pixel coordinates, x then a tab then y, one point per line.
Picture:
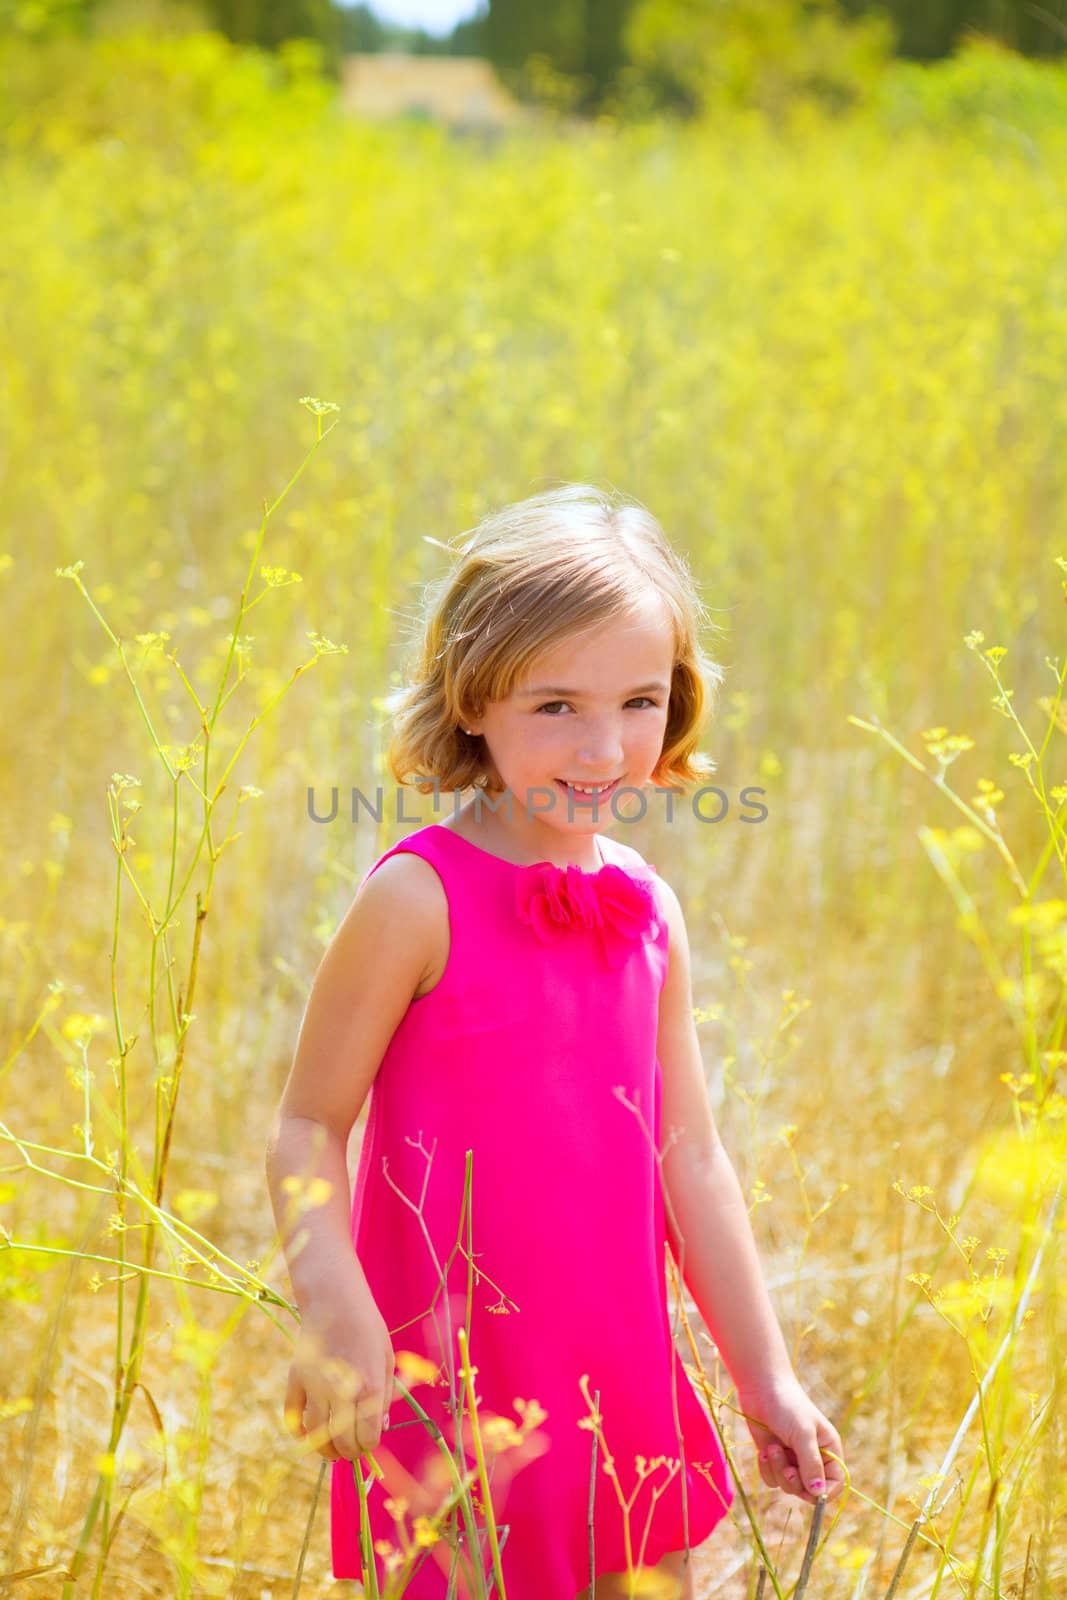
462	91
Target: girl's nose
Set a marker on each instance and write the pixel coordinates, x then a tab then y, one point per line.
603	760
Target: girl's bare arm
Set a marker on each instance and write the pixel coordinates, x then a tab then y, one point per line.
341	1378
711	1236
364	984
707	1214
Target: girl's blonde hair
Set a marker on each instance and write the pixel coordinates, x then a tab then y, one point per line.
530	576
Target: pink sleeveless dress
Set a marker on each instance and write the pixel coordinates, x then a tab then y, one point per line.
536	1052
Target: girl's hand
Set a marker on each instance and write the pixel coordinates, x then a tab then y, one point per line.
341	1378
796	1443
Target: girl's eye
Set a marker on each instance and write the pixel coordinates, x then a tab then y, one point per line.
646	698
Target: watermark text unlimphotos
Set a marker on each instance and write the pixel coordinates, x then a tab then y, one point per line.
709	804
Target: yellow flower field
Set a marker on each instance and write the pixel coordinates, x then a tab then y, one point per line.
830	358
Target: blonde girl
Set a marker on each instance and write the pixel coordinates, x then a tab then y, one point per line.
511	987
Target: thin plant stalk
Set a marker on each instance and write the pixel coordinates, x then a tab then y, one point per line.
130	1352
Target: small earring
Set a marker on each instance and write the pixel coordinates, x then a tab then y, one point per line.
468	730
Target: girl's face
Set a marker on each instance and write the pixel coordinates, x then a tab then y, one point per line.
592	711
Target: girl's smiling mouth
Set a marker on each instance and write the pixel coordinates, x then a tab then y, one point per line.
584	798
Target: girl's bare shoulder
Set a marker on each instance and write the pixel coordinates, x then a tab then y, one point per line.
405	899
625	855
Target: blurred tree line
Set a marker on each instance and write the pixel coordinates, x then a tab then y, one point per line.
628	54
625	57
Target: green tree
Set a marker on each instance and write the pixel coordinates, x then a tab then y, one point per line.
362	30
578	41
468	38
269	23
692	55
929	29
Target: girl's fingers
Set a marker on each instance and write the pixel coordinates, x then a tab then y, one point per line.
343	1429
788	1473
812	1473
810	1468
317	1432
772	1466
369	1424
829	1447
782	1471
835	1472
295	1401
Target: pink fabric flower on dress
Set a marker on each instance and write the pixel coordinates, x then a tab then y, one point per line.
619	907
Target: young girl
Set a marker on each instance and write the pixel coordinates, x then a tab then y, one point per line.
512	988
